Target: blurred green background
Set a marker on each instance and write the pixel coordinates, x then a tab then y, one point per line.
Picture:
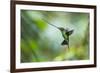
41	42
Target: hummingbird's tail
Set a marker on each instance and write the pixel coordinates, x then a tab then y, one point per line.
65	42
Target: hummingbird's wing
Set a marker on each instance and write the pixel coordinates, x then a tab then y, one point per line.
69	32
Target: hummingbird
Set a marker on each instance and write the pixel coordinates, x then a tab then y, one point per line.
65	33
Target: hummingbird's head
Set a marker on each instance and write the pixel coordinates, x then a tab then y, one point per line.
61	28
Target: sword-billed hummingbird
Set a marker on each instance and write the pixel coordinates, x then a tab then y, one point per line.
65	33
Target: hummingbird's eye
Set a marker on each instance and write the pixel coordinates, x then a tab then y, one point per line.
62	28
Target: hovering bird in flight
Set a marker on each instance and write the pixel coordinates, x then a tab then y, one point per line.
65	33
